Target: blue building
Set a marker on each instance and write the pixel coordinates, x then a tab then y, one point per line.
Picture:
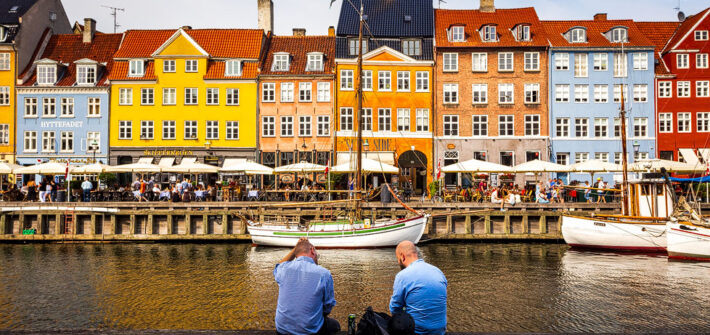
590	63
63	99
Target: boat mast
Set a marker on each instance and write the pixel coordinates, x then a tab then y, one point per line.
624	159
358	167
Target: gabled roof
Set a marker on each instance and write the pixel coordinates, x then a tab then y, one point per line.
68	48
8	17
595	33
659	33
215	70
387	18
504	19
298	47
686	28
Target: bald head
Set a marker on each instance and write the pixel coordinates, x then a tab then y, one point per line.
406	253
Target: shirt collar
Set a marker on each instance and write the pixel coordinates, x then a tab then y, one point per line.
305	258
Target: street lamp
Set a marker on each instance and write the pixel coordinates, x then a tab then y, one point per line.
94	147
637	147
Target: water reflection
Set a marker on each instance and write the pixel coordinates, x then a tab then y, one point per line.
492	287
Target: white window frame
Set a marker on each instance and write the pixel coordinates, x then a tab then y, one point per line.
346	119
281	62
49	141
532	124
66	141
685	122
212	96
125	130
562	127
346	80
125	96
506	62
701	61
665	122
268	126
384	119
621	65
479	62
682	61
479	125
67	108
451	93
323	92
640	93
581	65
233	68
506	93
46	74
562	93
451	125
640	60
147	130
457	34
532	93
665	89
683	90
191	96
601	62
190	130
5	61
562	61
323	125
268	92
640	127
506	125
169	96
286	92
169	130
212	130
147	96
49	107
422	81
581	94
702	89
422	120
191	66
601	94
30	141
232	97
532	61
136	68
286	126
86	74
231	130
601	127
479	94
305	92
403	81
404	119
168	66
451	61
305	126
384	81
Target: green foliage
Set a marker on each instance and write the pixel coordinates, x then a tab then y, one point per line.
108	178
433	187
76	184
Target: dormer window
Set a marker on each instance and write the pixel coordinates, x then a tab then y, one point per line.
522	33
281	62
577	35
489	33
412	47
3	34
46	74
619	35
136	68
457	34
86	74
233	67
353	43
315	62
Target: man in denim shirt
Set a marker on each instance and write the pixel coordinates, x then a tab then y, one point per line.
306	293
420	290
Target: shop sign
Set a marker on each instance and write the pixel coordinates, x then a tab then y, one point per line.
212	160
61	124
451	146
174	153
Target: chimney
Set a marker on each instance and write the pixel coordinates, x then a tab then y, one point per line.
186	27
600	17
265	10
331	31
89	30
488	6
299	32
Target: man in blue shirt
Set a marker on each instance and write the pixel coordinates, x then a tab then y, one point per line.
420	290
306	293
86	186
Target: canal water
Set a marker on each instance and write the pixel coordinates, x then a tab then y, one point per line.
492	287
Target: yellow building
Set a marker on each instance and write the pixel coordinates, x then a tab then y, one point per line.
185	93
7	104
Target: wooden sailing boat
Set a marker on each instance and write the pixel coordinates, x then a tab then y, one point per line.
688	232
351	231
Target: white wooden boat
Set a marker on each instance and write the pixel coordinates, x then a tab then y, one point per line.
688	241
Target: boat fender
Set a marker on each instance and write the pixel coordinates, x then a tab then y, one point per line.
367	223
684	227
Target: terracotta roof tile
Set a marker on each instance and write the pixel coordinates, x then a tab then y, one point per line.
219	43
504	19
298	48
684	29
215	70
120	72
142	43
659	33
595	33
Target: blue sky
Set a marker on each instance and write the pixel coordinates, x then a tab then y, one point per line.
315	16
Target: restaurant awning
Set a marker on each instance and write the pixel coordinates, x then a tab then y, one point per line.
166	162
49	168
386	157
193	167
368	166
302	167
476	166
8	168
538	166
96	168
594	166
655	165
244	166
689	156
135	168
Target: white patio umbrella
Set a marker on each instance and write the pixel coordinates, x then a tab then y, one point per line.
595	166
474	166
8	168
135	168
538	166
193	167
302	167
368	166
671	166
248	167
49	168
96	168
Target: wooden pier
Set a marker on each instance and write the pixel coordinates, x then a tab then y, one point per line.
220	221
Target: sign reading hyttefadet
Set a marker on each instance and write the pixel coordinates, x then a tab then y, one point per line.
61	124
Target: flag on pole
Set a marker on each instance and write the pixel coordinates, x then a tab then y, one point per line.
327	166
438	173
66	172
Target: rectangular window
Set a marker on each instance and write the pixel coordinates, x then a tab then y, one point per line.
315	62
684	120
169	130
617	126
683	89
268	92
191	65
479	62
46	74
67	141
620	65
49	107
641	93
581	157
366	119
682	61
665	122
505	61
601	127
146	130
86	74
367	80
30	107
561	93
304	126
146	96
125	96
581	65
505	125
665	89
93	141
287	126
532	93
125	130
305	91
640	127
49	139
703	122
403	119
190	130
232	68
505	93
268	126
232	130
286	92
94	109
562	62
601	62
451	62
457	34
562	127
422	81
136	68
191	96
640	61
212	130
323	92
353	46
480	93
581	93
701	35
323	125
30	141
384	79
422	120
169	96
532	125
232	96
346	118
581	127
532	61
346	80
5	61
451	93
384	119
701	61
451	125
489	33
67	107
562	158
479	125
168	66
212	97
617	93
412	47
702	89
601	94
601	156
281	63
403	81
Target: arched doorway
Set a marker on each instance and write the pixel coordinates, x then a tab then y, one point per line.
413	168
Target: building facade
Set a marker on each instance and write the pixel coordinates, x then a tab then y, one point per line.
590	62
185	93
23	23
491	87
63	100
297	79
397	78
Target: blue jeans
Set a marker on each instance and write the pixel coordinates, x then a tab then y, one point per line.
87	195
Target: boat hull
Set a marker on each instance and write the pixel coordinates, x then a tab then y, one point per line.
583	232
688	242
388	234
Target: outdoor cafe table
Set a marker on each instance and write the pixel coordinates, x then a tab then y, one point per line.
310	195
